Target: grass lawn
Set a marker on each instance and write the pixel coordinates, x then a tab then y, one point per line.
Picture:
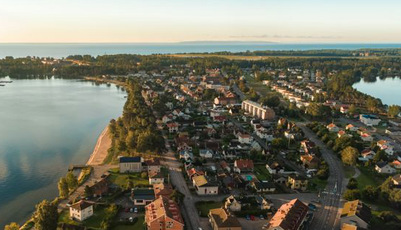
262	173
65	218
137	226
320	184
257	86
122	179
203	207
349	171
368	177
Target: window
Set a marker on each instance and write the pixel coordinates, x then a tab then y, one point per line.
169	224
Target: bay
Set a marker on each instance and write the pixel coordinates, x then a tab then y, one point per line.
46	125
59	50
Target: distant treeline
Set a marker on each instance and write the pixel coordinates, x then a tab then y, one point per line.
320	53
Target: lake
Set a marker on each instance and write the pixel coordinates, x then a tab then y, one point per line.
46	125
59	50
388	90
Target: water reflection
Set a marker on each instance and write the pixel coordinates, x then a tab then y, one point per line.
45	125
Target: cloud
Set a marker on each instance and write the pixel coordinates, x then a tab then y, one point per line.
285	36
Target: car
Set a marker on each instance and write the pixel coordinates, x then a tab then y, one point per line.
247	217
131	219
200	228
252	217
135	210
131	210
261	217
312	207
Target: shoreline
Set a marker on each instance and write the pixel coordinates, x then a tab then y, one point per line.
100	151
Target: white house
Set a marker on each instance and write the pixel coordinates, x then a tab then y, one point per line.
244	138
156	178
81	210
384	168
275	168
206	153
232	204
366	137
204	187
172	127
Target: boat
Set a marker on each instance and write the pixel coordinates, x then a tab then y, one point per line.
6	82
2	85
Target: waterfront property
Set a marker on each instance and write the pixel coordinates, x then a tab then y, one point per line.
130	164
81	210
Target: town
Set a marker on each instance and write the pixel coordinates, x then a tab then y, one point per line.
269	148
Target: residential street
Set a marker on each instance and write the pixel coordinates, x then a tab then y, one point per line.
328	218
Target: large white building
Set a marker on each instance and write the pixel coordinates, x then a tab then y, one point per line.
257	110
130	164
369	120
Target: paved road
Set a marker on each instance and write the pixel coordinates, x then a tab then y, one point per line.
328	218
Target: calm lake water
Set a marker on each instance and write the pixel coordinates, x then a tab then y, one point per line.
388	90
59	50
46	125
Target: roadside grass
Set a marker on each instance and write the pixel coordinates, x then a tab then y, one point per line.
203	207
139	225
121	179
349	171
262	173
64	217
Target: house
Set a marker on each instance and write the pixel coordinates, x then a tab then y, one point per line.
396	164
142	196
130	164
351	127
274	168
386	146
290	216
223	101
257	110
221	219
366	155
289	134
333	128
172	127
232	204
356	213
344	109
163	213
263	186
162	190
243	165
263	203
297	182
167	118
369	120
206	153
308	146
244	138
366	137
310	161
81	210
156	178
204	187
186	155
100	188
153	165
224	165
384	168
342	133
192	172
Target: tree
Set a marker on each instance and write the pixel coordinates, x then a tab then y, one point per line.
352	184
63	188
352	109
88	191
380	156
12	226
370	193
72	181
271	101
393	110
352	194
45	216
349	155
372	104
110	213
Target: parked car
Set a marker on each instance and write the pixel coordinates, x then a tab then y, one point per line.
252	217
312	207
135	210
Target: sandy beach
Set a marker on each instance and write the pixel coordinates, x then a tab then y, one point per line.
100	151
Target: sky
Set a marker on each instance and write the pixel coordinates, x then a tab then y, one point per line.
286	21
